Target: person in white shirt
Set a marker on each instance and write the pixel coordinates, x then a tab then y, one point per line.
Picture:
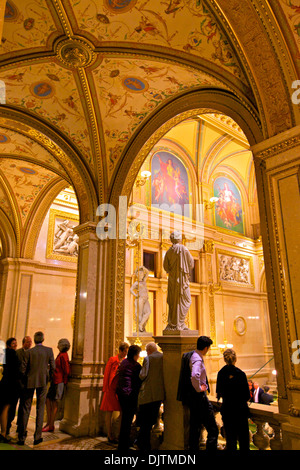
257	393
201	410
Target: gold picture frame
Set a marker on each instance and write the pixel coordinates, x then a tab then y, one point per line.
60	221
236	281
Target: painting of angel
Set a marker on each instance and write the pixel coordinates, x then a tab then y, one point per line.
228	208
169	179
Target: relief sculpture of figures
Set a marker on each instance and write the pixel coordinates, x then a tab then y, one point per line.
140	292
65	241
178	263
234	269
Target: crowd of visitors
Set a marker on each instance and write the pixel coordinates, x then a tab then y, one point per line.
132	389
139	391
28	371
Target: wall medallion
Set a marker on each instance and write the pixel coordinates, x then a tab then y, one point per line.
27	171
10	12
4	139
42	89
119	6
240	325
135	84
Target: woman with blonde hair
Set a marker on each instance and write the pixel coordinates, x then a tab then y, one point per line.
232	387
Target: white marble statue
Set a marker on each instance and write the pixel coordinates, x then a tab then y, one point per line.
178	263
140	292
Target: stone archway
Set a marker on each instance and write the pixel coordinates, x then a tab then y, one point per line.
187	106
275	165
74	169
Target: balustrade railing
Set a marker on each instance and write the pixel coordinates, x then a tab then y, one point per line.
267	420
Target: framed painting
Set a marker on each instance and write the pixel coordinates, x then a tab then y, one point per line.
169	183
228	208
62	242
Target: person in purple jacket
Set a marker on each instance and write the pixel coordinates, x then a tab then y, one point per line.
127	390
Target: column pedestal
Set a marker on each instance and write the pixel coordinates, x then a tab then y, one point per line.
175	426
81	412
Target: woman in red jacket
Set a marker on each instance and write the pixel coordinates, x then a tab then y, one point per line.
58	383
110	401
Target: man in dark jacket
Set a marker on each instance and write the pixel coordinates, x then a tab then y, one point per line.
37	368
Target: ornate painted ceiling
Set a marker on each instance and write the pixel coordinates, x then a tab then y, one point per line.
83	78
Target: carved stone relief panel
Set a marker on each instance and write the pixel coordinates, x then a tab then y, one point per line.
235	269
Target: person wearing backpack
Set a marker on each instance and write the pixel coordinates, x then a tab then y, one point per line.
193	388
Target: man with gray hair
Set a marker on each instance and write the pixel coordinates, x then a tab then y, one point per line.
151	395
178	263
37	366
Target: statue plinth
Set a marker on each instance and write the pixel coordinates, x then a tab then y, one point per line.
144	336
174	343
186	332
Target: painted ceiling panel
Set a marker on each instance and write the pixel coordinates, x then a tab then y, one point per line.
128	90
25	180
291	9
50	91
178	24
27	25
142	56
15	144
186	136
240	163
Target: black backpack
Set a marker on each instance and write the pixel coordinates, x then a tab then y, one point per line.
184	383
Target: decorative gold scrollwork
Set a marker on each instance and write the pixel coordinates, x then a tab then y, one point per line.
75	52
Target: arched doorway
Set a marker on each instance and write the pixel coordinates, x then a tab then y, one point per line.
133	160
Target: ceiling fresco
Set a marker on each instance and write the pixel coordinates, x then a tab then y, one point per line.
92	74
128	91
50	92
23	182
180	25
15	144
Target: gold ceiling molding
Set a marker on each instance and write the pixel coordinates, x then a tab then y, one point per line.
59	8
261	56
75	52
8	236
66	162
228	125
76	172
16	223
279	148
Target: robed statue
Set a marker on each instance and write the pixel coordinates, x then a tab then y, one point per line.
178	263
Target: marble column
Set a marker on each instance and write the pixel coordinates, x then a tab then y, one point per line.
16	285
81	412
175	416
277	163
